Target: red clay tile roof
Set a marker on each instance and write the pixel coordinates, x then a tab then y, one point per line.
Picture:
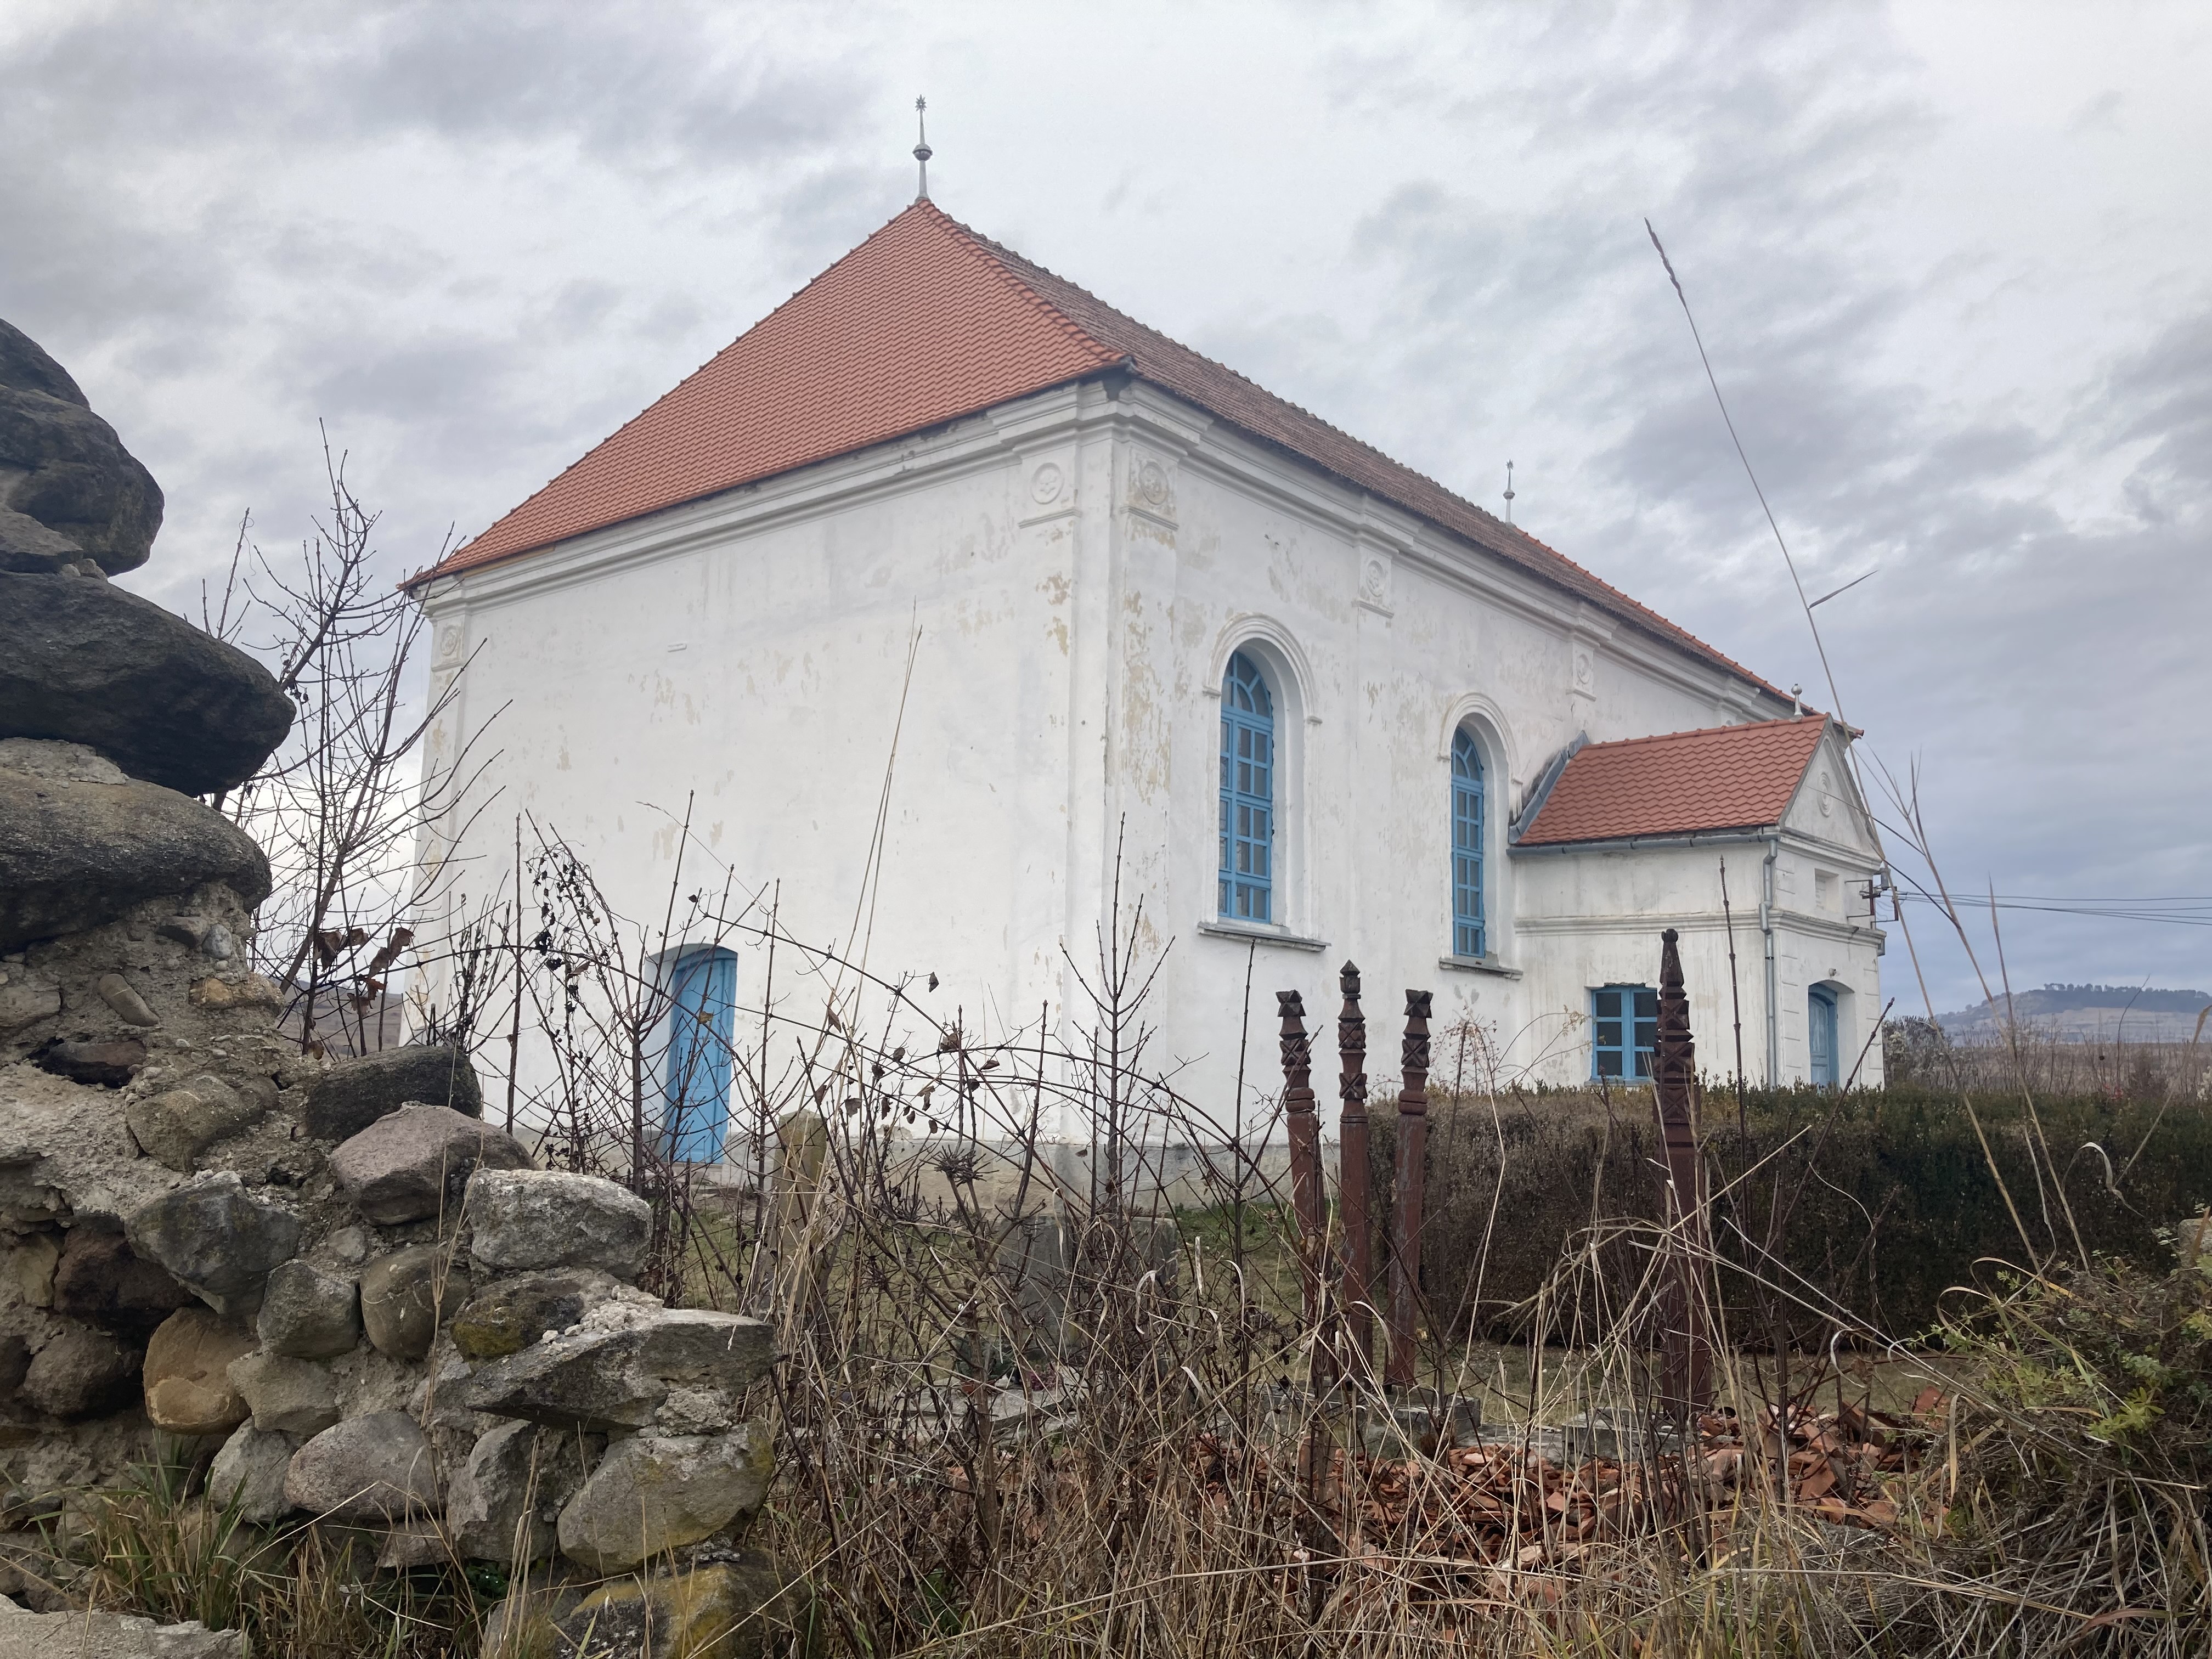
1728	777
925	322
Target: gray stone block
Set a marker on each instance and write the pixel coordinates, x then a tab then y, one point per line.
101	1280
74	1635
249	1473
534	1219
416	1162
649	1495
215	1235
623	1371
81	1372
76	492
400	1300
74	855
166	701
375	1469
511	1489
355	1093
176	1126
512	1314
286	1396
307	1313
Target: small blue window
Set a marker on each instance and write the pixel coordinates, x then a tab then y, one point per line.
1468	937
1248	793
1623	1030
1821	1034
701	1028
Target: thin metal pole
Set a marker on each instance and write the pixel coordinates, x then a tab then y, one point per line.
1412	1160
1735	1006
1351	1174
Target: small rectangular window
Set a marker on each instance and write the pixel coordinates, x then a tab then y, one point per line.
1624	1031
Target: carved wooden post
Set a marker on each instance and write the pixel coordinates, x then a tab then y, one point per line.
1307	1200
1689	1381
1353	1173
1412	1158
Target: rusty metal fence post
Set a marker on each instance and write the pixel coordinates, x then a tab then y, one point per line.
1307	1199
1687	1381
1354	1205
1412	1160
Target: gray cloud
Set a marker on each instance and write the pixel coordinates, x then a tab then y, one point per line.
474	238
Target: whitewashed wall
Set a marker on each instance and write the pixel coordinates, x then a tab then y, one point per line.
1077	568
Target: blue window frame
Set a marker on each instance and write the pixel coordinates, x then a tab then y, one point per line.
1248	793
1821	1034
1467	936
701	1027
1623	1030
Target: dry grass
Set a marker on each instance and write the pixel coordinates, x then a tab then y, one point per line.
994	1444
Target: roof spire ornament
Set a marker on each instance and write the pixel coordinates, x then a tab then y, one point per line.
1508	492
922	151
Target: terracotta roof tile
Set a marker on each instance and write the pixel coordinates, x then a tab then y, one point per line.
927	321
1727	777
916	327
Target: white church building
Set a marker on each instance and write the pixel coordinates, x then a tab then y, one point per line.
1116	602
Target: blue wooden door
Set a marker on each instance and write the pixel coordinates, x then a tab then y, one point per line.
701	1026
1821	1034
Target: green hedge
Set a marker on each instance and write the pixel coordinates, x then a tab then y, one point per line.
1884	1199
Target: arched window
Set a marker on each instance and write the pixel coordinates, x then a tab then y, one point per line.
1468	933
1248	793
701	1024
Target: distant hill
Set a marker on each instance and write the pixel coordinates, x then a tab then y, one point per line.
2130	1012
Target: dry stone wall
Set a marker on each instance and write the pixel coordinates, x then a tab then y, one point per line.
336	1289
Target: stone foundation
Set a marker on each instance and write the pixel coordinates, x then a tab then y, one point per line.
331	1293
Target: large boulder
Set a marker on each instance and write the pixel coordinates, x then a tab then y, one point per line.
538	1218
307	1313
675	1369
400	1295
512	1314
69	489
650	1495
511	1491
100	1279
355	1093
377	1468
81	1372
166	701
215	1235
188	1388
249	1473
416	1162
73	854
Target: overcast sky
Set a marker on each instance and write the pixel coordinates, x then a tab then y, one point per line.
1950	262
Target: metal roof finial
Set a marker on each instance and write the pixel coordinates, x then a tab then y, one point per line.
922	151
1508	492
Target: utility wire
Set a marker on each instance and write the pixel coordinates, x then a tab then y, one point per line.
2183	913
1835	697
